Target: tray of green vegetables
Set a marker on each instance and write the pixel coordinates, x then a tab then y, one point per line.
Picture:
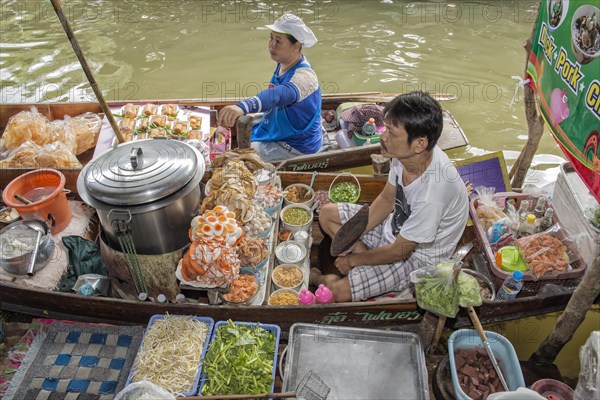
241	359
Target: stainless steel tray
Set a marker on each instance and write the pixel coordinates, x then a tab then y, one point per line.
357	363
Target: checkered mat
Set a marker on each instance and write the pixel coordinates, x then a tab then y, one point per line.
76	361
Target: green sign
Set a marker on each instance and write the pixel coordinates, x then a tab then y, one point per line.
564	69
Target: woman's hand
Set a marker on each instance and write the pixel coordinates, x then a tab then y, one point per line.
228	115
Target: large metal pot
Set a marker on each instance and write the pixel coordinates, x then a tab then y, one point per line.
149	187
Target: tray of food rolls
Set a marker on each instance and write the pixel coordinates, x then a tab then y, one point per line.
165	120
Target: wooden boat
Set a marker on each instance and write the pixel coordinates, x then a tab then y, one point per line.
377	314
452	136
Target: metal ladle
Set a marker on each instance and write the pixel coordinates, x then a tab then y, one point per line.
309	193
41	229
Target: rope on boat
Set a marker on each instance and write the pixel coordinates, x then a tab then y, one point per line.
122	231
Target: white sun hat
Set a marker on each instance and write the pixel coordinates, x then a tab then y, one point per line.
292	25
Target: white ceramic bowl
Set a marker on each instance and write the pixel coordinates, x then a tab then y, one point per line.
295	228
266	174
307	188
281	267
290	252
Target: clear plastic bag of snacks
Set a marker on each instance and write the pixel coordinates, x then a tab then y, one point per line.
87	128
548	251
60	131
30	155
488	210
26	126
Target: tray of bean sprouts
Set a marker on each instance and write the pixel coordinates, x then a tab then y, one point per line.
172	352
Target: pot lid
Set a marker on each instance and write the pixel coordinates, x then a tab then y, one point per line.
142	171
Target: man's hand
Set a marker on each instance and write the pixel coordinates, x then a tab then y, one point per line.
228	115
344	264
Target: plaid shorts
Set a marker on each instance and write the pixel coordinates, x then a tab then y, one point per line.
373	280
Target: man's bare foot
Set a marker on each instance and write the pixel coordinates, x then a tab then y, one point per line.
315	278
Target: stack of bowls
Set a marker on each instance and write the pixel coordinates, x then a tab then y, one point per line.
17	242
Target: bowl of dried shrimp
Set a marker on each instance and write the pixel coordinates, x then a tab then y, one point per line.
284	297
287	276
243	290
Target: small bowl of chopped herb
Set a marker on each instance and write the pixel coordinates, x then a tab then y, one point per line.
296	217
347	190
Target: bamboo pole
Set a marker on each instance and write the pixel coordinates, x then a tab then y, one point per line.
86	69
566	325
535	128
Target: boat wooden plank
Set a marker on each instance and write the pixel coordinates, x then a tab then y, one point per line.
334	160
452	135
42	303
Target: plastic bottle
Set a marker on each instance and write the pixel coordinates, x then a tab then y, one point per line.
528	227
540	207
511	287
144	296
495	231
343	140
369	128
161	298
323	295
306	297
523	210
522	216
546	220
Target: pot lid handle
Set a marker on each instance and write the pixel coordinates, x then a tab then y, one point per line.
136	157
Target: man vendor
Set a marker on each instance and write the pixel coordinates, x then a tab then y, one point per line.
291	124
417	219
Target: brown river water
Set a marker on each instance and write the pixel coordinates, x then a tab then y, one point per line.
211	49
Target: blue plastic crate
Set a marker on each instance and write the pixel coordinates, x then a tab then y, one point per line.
270	328
502	348
207	320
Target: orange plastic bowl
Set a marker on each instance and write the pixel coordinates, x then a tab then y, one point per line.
45	189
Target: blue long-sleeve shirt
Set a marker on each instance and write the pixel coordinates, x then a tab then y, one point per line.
292	107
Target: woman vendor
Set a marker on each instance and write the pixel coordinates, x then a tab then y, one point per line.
418	218
291	123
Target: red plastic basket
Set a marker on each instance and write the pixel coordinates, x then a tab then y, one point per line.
531	283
